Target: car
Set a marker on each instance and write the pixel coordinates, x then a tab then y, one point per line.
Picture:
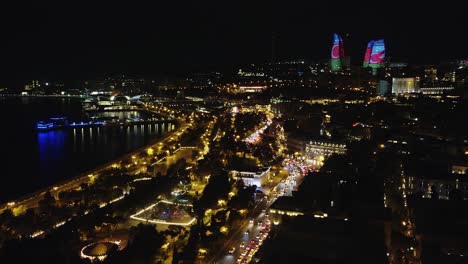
251	221
246	232
259	223
242	245
232	250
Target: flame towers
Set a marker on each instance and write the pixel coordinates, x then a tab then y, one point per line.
367	55
375	55
337	54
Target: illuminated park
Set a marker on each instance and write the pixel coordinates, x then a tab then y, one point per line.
167	213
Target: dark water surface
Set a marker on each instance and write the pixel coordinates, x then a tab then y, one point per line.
32	160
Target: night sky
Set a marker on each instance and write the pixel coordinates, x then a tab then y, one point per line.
74	41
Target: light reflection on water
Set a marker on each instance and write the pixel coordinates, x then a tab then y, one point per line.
66	153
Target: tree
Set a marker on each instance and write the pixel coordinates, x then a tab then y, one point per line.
178	167
456	195
316	190
244	198
218	187
144	246
434	192
47	203
264	153
6	217
194	154
337	164
84	187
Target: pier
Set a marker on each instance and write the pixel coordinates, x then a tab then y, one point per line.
61	123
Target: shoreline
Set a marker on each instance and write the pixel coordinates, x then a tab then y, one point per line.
45	95
82	177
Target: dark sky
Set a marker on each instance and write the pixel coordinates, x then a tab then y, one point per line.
71	41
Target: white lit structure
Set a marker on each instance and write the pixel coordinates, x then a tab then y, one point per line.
459	169
319	148
405	85
99	251
436	90
189	220
258	178
252	88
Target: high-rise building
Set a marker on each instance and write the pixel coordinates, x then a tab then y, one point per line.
382	87
368	54
378	54
337	54
375	55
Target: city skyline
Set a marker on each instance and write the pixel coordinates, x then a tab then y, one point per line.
72	42
234	133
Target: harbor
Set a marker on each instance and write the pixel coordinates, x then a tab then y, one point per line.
70	147
55	123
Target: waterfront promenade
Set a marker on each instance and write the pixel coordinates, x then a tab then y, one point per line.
31	200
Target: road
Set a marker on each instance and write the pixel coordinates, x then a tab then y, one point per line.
240	235
32	200
259	213
286	180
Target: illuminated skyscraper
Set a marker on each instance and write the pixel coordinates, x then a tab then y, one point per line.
378	54
367	55
375	55
337	54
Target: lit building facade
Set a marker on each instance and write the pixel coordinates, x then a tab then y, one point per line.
405	85
320	148
337	54
252	88
460	169
442	186
374	56
436	90
257	178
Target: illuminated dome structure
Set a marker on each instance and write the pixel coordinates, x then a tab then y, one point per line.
98	251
